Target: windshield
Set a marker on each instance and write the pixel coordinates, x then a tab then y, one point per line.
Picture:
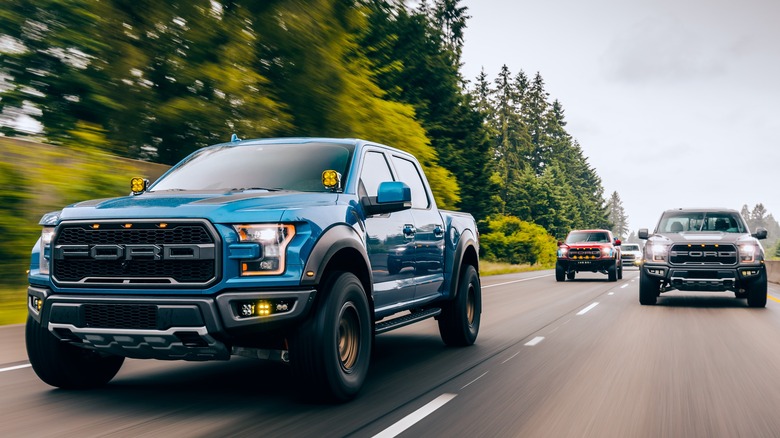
725	222
297	166
587	236
630	247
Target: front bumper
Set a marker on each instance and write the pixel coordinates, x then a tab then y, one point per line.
586	265
171	328
704	278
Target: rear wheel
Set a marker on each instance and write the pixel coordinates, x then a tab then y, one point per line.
612	272
64	365
756	292
330	352
560	273
648	289
459	319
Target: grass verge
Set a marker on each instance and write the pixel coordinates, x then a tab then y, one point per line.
13	305
497	268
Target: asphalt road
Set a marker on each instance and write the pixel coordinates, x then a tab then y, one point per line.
575	359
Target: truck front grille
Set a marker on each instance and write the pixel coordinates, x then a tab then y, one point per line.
586	253
136	253
703	254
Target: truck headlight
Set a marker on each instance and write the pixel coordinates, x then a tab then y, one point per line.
43	261
606	252
562	252
747	253
273	240
657	253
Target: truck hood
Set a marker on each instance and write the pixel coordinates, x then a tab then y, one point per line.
588	244
709	236
257	206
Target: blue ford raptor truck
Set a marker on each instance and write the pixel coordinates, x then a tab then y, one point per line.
299	250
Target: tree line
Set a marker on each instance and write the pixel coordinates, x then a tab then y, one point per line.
157	80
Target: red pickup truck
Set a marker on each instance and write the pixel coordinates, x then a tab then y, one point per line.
590	251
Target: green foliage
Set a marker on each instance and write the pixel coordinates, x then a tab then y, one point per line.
617	216
14	227
509	239
38	179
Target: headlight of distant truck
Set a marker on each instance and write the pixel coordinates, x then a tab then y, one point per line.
657	252
273	240
43	261
747	253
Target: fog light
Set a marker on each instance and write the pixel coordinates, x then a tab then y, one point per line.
36	303
247	309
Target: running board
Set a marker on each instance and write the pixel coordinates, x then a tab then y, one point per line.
405	320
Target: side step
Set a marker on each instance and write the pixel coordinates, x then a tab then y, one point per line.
405	320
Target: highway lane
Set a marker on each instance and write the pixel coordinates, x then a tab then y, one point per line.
548	362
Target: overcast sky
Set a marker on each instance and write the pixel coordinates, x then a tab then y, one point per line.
675	103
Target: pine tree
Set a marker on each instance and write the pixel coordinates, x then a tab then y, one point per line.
617	216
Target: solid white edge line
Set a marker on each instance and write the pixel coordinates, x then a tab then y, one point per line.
18	367
534	341
585	310
411	419
516	281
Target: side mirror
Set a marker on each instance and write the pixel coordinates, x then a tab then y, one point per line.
560	243
760	233
617	242
642	234
391	196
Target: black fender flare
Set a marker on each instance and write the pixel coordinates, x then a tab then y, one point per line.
467	240
329	243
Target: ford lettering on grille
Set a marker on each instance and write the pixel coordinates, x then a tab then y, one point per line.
135	252
710	254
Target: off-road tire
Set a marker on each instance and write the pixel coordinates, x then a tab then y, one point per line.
61	364
571	274
756	291
620	271
648	289
459	319
330	352
560	273
612	272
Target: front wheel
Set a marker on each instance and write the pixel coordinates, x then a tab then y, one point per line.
620	271
756	292
560	273
570	275
648	289
64	365
330	352
459	319
612	272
